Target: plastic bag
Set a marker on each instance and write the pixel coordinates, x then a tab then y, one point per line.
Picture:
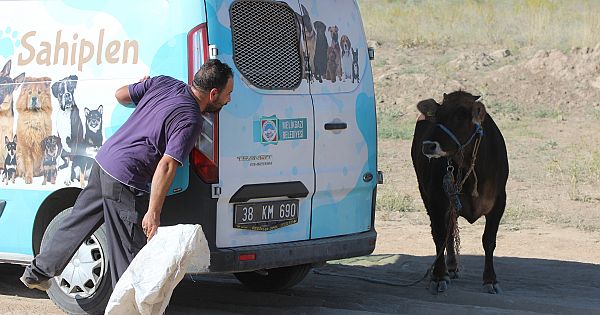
148	283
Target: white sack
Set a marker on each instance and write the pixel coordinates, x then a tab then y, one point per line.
147	284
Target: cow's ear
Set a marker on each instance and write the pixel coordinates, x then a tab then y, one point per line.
479	113
428	107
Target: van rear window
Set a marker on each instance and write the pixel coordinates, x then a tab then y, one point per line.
266	44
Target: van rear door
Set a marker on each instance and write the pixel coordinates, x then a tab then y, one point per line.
345	123
266	133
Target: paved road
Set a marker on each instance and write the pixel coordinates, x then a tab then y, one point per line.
531	286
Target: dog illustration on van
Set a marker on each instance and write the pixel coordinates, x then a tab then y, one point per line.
68	125
7	112
10	162
52	148
33	125
347	61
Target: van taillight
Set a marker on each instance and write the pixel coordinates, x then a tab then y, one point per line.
204	158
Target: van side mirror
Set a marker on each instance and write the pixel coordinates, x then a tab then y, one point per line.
371	53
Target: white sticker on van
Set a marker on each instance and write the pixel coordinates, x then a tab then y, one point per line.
270	130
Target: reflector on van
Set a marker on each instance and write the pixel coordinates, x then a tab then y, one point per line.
205	154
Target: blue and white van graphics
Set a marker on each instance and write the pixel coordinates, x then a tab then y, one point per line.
283	177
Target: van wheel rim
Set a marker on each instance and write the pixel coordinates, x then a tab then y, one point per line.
82	275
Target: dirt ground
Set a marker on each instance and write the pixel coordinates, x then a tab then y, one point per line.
547	104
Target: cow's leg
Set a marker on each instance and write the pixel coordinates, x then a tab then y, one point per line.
492	221
451	261
439	277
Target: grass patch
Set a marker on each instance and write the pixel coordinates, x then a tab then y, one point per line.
390	125
503	108
395	202
584	169
510	23
548	113
514	215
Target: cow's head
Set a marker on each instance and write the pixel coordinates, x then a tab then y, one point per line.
456	124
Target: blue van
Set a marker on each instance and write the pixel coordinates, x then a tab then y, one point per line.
281	179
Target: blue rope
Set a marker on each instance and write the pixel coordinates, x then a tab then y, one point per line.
478	132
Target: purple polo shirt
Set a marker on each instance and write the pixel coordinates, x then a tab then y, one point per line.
166	121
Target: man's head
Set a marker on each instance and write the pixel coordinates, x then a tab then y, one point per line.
215	80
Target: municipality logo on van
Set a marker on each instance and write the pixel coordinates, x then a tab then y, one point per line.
270	129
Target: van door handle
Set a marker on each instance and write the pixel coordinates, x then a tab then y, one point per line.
336	126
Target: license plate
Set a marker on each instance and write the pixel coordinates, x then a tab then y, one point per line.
266	216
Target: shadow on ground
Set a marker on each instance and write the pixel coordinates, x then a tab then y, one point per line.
354	286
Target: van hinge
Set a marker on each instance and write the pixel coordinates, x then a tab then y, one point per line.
216	191
213	51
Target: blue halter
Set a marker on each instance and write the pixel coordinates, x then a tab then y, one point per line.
477	132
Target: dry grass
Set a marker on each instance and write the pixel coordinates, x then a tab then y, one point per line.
510	23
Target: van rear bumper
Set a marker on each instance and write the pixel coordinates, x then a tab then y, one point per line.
293	253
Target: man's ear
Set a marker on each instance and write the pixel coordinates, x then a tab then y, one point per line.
428	107
213	94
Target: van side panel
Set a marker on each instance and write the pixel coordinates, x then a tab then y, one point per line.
16	222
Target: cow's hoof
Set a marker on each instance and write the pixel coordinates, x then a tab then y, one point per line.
454	274
436	287
492	288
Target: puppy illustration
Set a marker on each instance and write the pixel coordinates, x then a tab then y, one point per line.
355	66
7	112
335	44
52	147
10	162
68	124
33	125
310	40
320	51
93	128
82	162
80	169
346	47
331	64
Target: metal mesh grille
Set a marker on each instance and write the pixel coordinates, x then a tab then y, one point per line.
266	43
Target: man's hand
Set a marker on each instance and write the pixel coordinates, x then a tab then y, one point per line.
150	224
161	181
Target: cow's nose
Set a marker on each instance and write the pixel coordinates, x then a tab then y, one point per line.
429	147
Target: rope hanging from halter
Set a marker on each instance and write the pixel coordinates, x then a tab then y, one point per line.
454	189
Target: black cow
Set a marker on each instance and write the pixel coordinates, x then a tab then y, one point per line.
460	159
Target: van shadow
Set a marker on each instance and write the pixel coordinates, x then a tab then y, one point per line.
381	284
11	285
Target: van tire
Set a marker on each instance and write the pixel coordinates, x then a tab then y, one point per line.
94	304
275	279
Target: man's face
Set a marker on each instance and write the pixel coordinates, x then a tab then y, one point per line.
220	98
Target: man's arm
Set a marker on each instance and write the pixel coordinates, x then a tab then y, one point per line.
161	181
122	95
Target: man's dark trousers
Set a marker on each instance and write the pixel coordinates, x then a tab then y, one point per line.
103	200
